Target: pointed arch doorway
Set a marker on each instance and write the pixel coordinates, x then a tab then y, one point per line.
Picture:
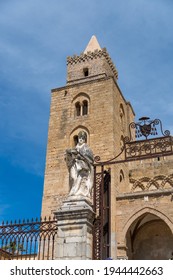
149	238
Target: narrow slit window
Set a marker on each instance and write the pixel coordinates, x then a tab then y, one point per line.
121	176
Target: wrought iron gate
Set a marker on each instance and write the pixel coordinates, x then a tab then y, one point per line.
132	150
101	231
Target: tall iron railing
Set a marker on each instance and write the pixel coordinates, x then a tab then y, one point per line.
101	230
28	240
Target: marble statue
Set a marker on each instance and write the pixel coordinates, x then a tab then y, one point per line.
80	165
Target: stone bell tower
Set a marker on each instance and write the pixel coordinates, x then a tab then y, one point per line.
91	101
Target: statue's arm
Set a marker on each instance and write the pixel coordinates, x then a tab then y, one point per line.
87	156
71	151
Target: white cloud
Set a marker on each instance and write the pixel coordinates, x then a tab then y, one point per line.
36	37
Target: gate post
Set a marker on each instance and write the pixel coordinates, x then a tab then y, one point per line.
75	225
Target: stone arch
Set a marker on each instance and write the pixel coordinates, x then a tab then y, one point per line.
121	176
148	234
147	182
74	133
142	211
80	104
80	94
136	184
153	182
167	179
144	179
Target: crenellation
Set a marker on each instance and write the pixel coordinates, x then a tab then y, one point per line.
87	58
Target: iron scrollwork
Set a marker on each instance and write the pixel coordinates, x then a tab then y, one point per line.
137	149
146	127
148	148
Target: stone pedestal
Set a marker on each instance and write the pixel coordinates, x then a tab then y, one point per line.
74	237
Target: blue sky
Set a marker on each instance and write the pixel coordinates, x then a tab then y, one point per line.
36	36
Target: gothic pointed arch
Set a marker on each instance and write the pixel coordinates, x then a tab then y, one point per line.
121	176
167	180
136	185
142	211
157	182
80	94
148	234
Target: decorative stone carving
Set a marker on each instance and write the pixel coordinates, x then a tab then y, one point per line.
80	166
157	182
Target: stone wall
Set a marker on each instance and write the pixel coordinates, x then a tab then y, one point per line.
150	190
102	125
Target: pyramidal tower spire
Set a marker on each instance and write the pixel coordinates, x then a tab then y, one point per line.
92	45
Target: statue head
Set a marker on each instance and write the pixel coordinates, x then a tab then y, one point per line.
82	135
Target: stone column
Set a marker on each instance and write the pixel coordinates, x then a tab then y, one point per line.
122	252
75	224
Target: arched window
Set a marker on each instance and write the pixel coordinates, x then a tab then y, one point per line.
78	109
121	175
73	139
85	108
81	105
